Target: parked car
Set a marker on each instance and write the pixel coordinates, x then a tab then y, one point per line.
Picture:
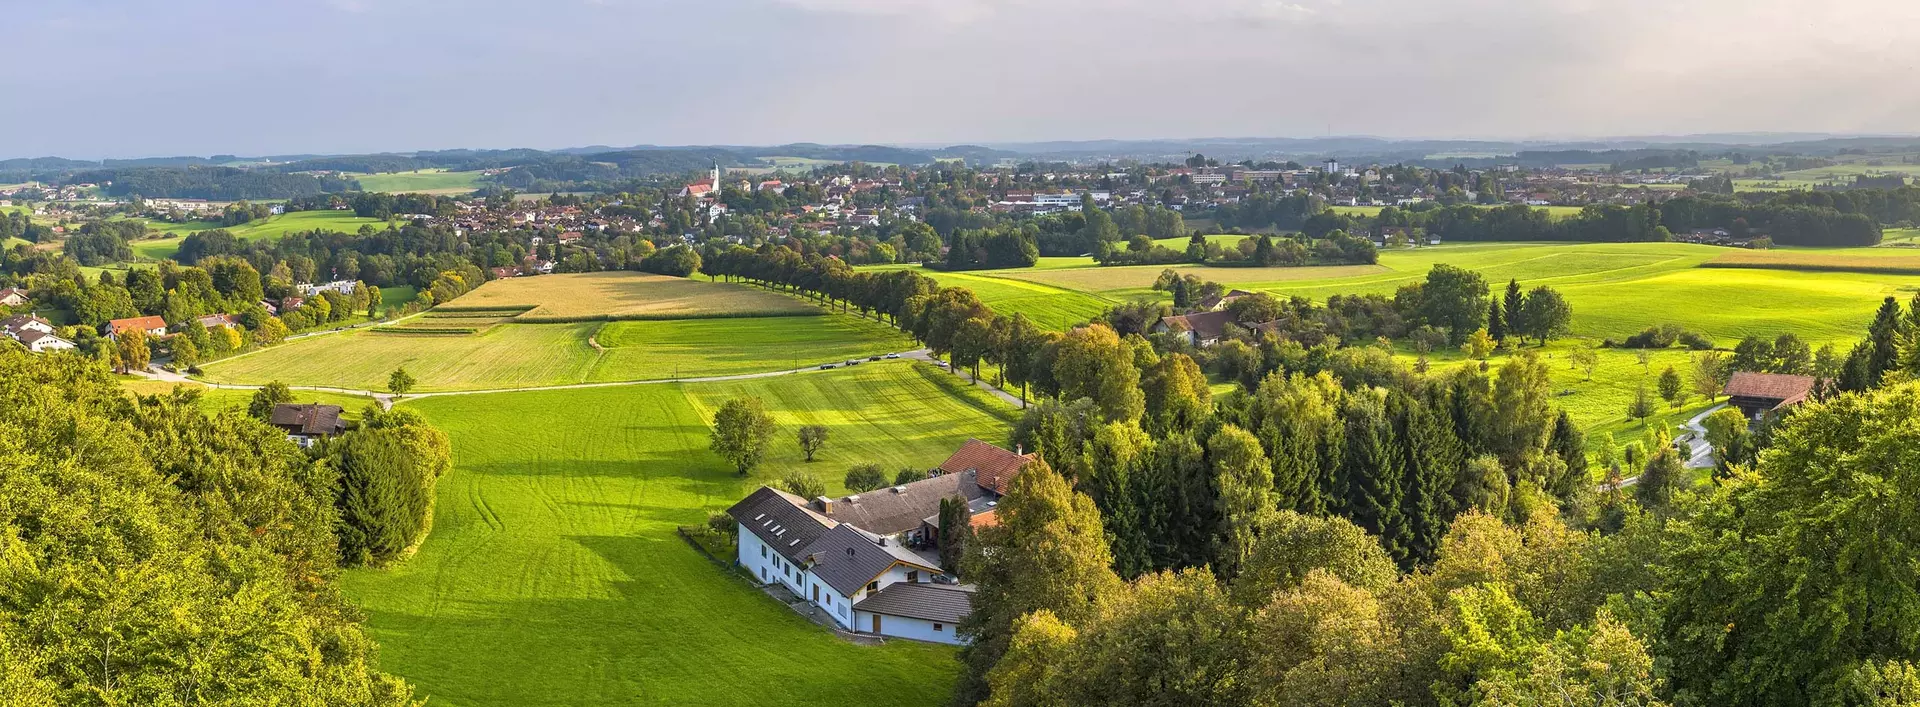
874	357
825	366
892	356
853	362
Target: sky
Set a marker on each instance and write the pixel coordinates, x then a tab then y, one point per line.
135	78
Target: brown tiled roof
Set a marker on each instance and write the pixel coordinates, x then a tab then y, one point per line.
1787	389
992	466
314	419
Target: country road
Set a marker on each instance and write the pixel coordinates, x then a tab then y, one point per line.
1701	453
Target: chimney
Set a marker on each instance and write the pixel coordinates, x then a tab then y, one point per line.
823	504
1020	449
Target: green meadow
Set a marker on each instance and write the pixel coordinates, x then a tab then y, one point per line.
425	181
271	228
529	355
554	575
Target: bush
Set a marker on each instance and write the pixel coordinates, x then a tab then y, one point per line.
1655	337
908	476
865	477
1696	341
802	484
721	524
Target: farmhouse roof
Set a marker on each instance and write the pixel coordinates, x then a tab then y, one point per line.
1784	389
20	321
901	508
1204	325
992	466
121	326
781	520
308	419
940	603
847	559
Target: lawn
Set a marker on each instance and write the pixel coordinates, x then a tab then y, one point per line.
621	294
1873	260
426	181
271	228
715	347
554	576
532	355
217	400
1048	306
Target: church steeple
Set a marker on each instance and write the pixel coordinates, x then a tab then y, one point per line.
716	177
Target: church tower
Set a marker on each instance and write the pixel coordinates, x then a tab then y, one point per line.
716	177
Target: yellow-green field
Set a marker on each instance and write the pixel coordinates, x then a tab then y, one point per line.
618	294
425	181
268	229
1556	212
531	355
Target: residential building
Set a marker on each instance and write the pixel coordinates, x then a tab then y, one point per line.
1758	395
307	423
218	320
868	560
34	333
153	326
1199	328
12	297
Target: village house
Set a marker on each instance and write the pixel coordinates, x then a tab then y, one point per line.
34	333
1215	303
154	327
869	560
12	297
1199	328
307	423
218	320
1758	395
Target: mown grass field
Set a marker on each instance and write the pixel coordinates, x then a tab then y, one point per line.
532	355
554	576
681	348
426	181
618	293
1556	212
267	229
1048	306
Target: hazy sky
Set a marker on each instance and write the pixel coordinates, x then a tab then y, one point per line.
122	78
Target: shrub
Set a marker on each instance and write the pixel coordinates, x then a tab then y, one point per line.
1655	337
908	476
865	477
1696	341
802	484
385	486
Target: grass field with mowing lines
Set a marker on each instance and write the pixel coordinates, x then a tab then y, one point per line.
553	575
517	355
426	181
445	356
620	293
268	229
717	347
1048	306
1877	260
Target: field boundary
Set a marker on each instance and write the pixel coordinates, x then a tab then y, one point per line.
1813	267
661	316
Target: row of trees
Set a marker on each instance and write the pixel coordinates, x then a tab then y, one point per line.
1711	599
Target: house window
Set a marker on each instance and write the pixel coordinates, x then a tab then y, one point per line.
873	586
913	576
763	551
938	627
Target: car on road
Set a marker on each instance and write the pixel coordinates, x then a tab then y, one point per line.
853	362
874	357
892	356
825	366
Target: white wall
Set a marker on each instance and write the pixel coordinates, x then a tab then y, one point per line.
903	627
764	564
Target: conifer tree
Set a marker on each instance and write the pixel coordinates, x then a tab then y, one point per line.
1370	474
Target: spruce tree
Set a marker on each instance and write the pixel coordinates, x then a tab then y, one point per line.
1516	309
1883	339
1370	474
1570	444
1432	459
1496	323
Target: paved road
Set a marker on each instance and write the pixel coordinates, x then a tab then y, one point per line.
387	400
925	355
1701	453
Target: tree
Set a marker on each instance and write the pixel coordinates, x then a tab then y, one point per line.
1092	362
908	476
1496	322
956	531
865	477
1664	474
399	382
802	484
1483	486
1731	439
1047	551
1709	373
387	471
134	353
1518	321
185	354
260	407
1669	386
1584	358
1243	483
812	438
1478	345
1548	315
1810	549
1454	298
1177	393
741	431
1641	407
